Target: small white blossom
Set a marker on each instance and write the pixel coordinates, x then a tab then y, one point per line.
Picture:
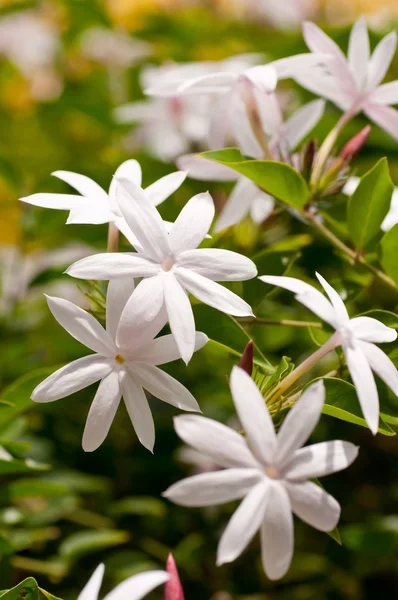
125	360
270	471
356	336
113	48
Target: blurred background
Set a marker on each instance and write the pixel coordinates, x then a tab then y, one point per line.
66	68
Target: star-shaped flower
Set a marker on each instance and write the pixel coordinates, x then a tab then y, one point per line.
133	588
172	263
356	336
353	84
125	360
270	471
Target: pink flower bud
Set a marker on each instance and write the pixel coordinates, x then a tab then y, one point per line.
355	144
173	588
246	362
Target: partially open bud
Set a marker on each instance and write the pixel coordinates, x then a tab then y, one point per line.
173	588
355	144
246	362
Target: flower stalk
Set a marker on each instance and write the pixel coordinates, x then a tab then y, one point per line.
113	238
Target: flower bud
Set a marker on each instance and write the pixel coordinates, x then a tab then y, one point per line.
355	144
173	588
246	362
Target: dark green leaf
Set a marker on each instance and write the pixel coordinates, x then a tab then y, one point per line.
87	542
389	252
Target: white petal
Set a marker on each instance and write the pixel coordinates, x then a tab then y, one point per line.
180	315
381	60
244	524
326	85
138	586
72	378
218	265
118	292
219	121
391	218
192	224
318	42
102	412
384	94
254	416
372	330
384	116
300	422
159	191
90	212
128	234
138	409
208	489
212	293
222	444
306	294
277	536
112	265
335	299
302	122
165	387
93	586
262	207
351	185
359	52
164	349
320	460
237	205
264	77
381	364
313	505
57	201
143	316
204	169
82	326
84	185
143	219
129	169
213	83
364	382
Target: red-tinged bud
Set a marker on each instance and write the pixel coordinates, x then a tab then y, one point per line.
173	588
246	362
355	144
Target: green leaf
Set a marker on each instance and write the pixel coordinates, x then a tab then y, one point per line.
26	590
140	505
13	466
89	541
369	204
278	179
31	488
389	252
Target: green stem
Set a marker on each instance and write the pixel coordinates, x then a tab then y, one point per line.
284	322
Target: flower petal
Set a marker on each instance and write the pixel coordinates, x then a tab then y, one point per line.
262	207
159	191
82	326
359	52
213	83
138	586
102	412
313	505
381	364
112	265
180	315
192	224
204	169
264	77
93	586
318	42
324	84
138	408
165	387
208	489
118	292
213	293
254	416
385	94
335	299
57	201
244	524
320	460
372	330
380	61
300	422
84	185
302	122
222	444
277	536
164	349
237	205
218	265
220	120
384	116
364	382
129	169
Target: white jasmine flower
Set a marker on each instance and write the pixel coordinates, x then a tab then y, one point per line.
133	588
391	218
270	471
113	48
353	84
95	205
356	336
125	360
172	263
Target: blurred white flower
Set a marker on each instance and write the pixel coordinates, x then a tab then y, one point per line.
283	15
113	48
126	362
391	218
270	471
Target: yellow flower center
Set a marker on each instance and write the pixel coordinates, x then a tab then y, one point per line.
272	473
120	359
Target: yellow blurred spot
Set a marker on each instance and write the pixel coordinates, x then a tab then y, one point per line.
10	215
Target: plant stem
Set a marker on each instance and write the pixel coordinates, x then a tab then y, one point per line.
305	366
255	121
113	238
285	322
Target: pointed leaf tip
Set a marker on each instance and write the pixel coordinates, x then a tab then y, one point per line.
173	588
246	362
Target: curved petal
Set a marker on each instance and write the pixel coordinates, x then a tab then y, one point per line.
244	524
220	120
218	265
213	293
138	409
380	61
222	444
159	191
302	122
84	185
334	297
57	201
264	77
320	460
364	382
128	234
300	422
72	378
277	536
90	212
165	387
164	349
381	365
318	42
102	412
203	169
129	169
93	586
213	83
138	586
372	330
118	292
192	224
82	326
254	416
384	116
313	505
208	489
351	185
327	86
180	315
112	265
385	94
262	207
237	205
359	52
